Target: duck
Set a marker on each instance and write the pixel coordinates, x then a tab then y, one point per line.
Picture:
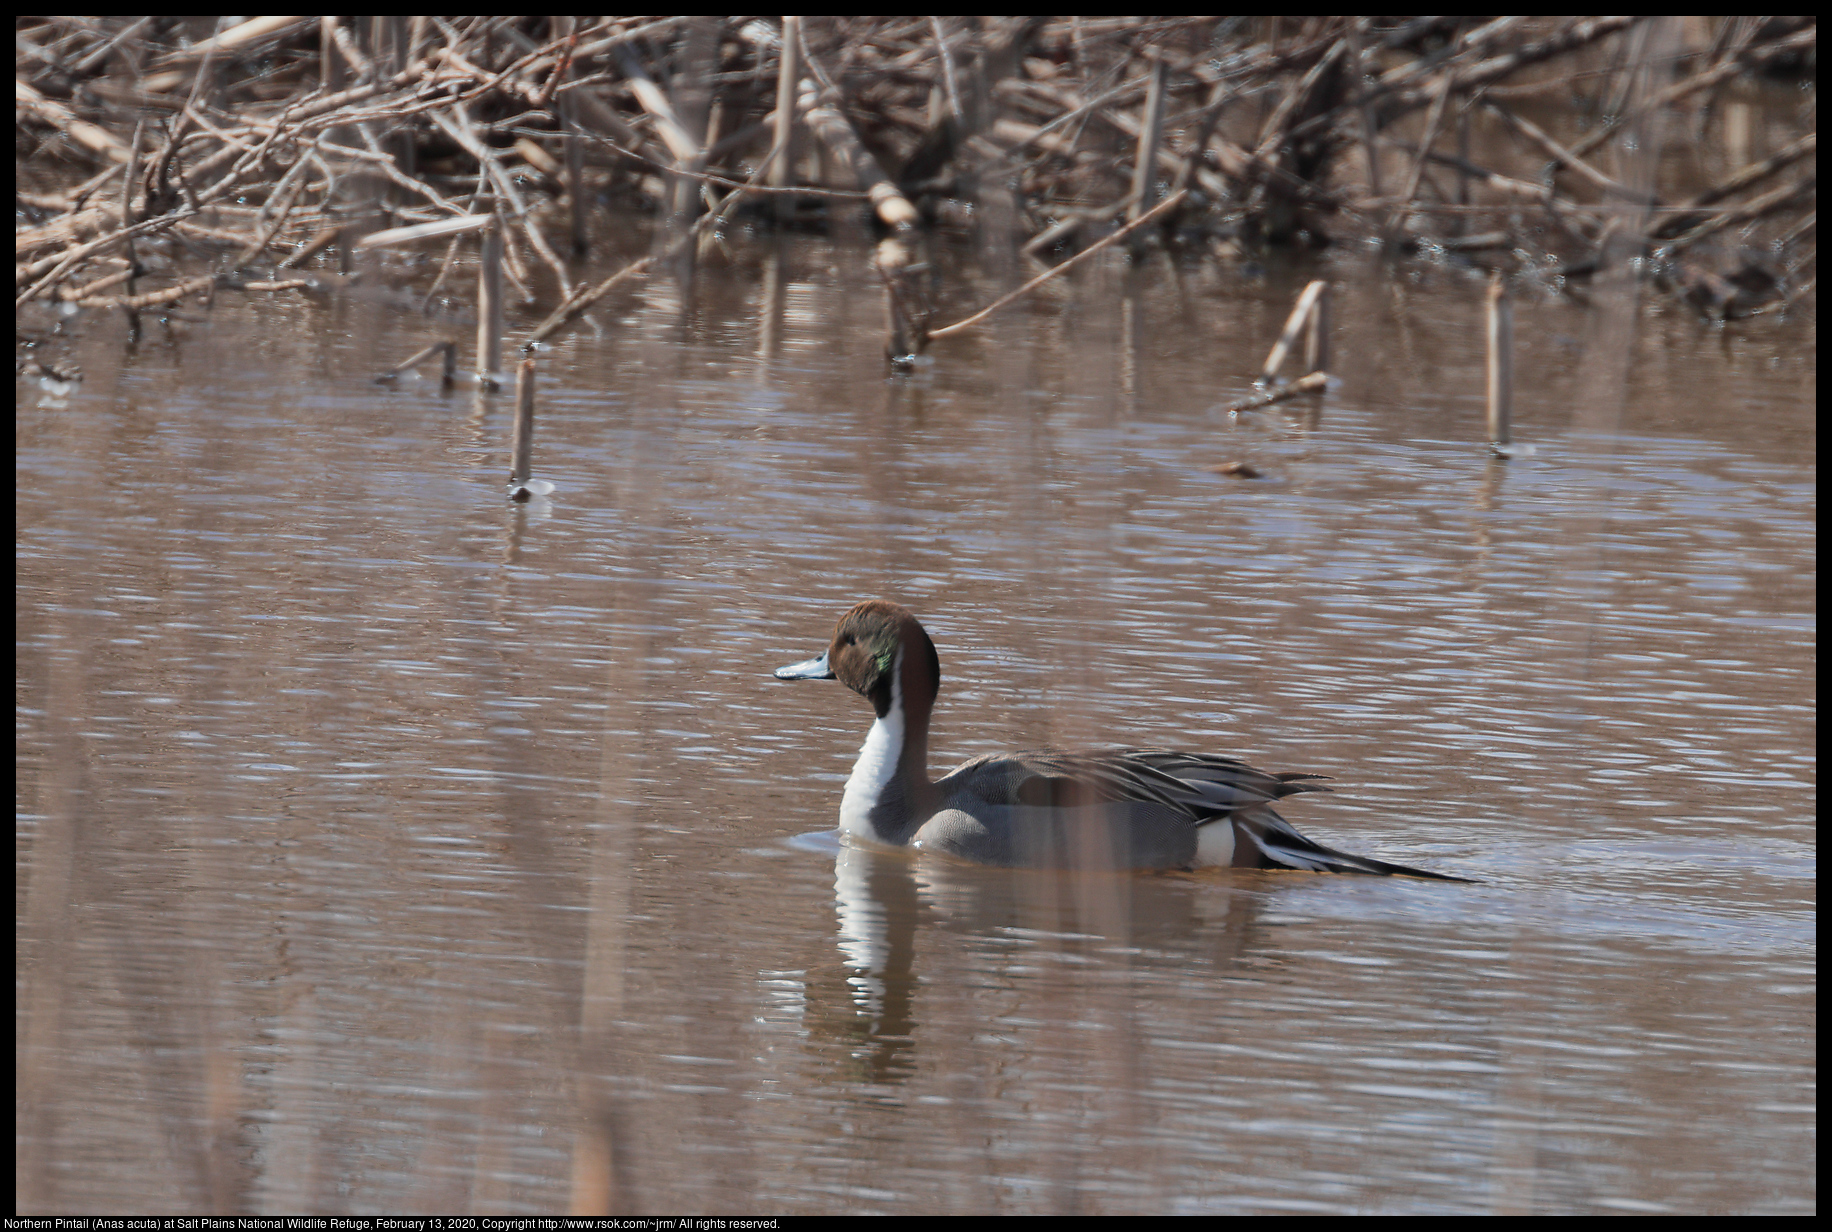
1111	809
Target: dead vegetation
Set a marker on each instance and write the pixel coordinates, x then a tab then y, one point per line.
237	153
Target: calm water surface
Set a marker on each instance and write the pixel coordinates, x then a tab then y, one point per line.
385	847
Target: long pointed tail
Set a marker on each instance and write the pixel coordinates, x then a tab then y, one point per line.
1266	840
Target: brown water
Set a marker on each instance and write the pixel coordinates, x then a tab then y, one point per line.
385	847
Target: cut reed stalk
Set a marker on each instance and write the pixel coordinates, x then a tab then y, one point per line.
521	439
1500	333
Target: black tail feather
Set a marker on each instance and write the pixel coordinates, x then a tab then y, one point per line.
1266	840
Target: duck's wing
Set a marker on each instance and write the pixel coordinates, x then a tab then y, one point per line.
1228	780
1203	788
1200	786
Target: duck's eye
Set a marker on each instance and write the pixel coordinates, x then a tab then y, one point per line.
846	639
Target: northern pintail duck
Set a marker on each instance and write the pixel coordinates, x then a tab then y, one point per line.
1127	808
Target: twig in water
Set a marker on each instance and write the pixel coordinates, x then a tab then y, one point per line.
1314	383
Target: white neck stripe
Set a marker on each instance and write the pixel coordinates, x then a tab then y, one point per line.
877	763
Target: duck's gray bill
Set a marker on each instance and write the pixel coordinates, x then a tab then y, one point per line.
807	669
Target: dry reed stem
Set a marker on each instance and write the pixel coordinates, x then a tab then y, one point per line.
1152	215
1300	317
